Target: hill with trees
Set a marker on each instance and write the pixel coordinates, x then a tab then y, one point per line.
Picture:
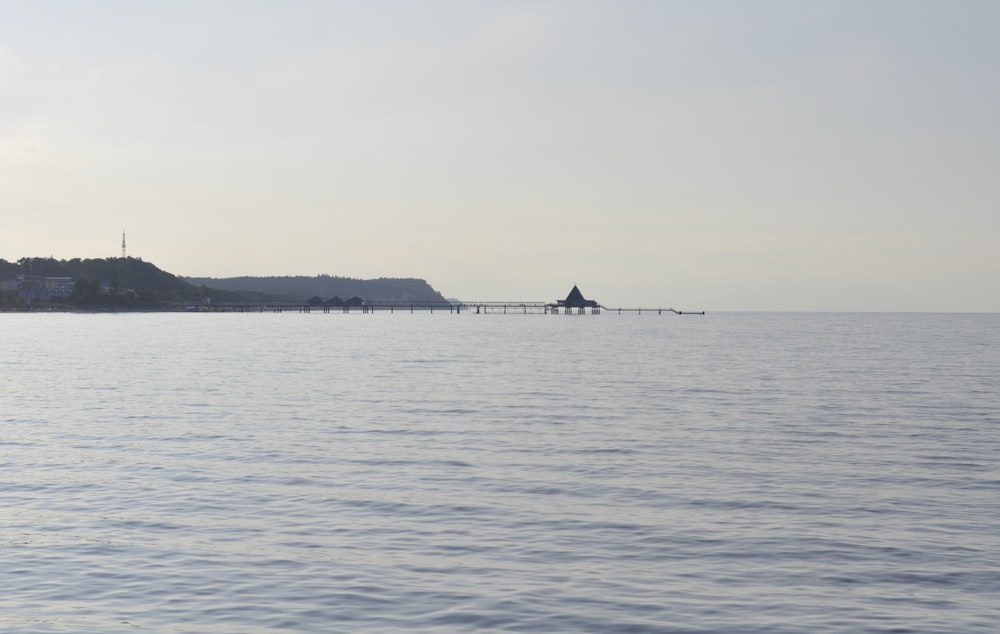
133	283
301	288
118	282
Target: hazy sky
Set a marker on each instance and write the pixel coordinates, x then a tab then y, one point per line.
772	155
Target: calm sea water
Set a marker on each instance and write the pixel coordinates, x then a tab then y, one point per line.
443	473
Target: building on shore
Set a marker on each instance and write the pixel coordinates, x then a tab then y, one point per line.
43	287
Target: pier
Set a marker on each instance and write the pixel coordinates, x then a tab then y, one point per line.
473	308
574	304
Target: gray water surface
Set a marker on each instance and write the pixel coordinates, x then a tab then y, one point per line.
539	473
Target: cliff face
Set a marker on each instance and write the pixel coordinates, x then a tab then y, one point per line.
301	288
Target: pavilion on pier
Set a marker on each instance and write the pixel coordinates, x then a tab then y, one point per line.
575	302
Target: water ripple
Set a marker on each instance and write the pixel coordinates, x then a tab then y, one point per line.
256	473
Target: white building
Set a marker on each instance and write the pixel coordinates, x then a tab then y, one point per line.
43	288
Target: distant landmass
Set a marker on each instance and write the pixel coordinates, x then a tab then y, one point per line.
301	288
91	282
133	283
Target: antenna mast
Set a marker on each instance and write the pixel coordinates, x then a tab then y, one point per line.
123	244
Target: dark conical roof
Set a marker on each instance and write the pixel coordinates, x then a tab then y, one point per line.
575	300
575	296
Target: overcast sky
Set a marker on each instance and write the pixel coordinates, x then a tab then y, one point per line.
771	155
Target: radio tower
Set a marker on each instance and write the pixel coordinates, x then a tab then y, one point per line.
123	244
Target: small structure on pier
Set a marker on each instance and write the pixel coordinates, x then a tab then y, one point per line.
575	301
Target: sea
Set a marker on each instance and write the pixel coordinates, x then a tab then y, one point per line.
292	472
